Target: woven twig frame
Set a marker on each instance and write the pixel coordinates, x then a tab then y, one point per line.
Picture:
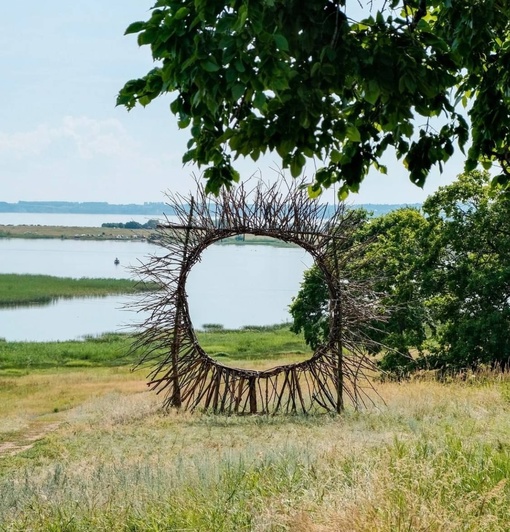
338	370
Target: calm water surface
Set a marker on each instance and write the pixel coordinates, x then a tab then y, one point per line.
72	258
232	285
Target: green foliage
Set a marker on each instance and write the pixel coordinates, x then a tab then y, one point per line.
396	244
304	80
309	309
390	261
444	278
468	274
151	224
113	349
107	350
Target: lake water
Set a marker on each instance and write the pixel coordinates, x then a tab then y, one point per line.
232	285
72	258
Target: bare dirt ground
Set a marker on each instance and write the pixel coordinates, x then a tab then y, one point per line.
36	430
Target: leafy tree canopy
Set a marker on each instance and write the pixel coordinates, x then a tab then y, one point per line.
468	275
444	277
330	80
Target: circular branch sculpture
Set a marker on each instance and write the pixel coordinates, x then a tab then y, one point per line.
339	369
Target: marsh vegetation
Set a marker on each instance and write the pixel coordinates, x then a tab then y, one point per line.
16	289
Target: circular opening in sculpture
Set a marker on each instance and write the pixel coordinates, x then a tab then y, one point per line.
239	295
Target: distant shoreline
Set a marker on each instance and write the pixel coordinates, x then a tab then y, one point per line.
70	207
148	209
117	234
74	233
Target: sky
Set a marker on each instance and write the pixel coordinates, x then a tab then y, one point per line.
62	64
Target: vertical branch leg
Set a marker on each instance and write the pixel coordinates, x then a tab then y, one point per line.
176	389
253	396
338	319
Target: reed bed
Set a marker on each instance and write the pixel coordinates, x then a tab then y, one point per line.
24	289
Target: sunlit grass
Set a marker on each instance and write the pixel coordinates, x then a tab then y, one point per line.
89	448
434	457
254	346
250	347
106	350
45	394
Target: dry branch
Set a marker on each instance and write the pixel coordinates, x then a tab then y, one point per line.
190	378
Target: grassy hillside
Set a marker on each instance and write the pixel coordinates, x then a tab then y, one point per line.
84	447
91	450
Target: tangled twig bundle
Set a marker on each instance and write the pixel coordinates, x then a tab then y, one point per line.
339	369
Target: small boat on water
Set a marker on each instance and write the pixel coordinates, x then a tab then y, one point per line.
116	261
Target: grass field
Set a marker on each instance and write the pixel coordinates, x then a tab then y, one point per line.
84	446
248	347
90	449
18	289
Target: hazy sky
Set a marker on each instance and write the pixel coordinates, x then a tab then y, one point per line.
61	136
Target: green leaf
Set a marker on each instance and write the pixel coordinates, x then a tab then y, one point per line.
296	165
135	27
259	102
353	133
240	65
184	122
243	15
210	66
470	165
335	156
281	42
372	92
181	13
314	191
343	193
238	91
235	176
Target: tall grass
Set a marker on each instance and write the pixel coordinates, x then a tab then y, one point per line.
17	289
253	345
435	457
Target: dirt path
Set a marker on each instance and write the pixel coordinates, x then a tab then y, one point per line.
25	439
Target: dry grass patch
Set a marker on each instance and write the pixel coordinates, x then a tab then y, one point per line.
38	399
434	457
